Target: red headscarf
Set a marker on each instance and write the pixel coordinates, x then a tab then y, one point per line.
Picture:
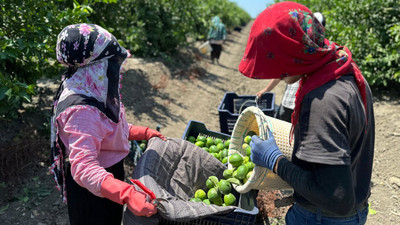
287	40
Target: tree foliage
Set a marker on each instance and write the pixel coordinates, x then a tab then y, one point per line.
27	43
155	27
29	28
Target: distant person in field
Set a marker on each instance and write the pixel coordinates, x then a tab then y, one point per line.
216	36
286	107
89	134
333	120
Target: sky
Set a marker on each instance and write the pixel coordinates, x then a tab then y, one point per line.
253	7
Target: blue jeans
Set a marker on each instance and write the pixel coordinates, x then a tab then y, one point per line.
297	215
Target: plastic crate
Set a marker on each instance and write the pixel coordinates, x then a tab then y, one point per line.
232	105
194	128
246	214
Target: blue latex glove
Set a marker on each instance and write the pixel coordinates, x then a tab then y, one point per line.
264	153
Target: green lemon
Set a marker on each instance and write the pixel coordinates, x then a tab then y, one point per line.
249	174
207	201
201	138
195	200
217	155
213	149
224	153
244	146
242	171
217	201
250	165
212	182
143	146
247	139
229	199
220	146
206	149
199	143
246	159
191	139
224	160
234	174
248	151
224	187
201	194
210	141
218	140
212	194
235	159
226	143
227	173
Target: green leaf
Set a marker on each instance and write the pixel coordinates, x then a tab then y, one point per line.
3	91
43	192
234	181
3	209
3	185
8	92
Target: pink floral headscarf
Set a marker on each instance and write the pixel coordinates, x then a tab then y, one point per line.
94	58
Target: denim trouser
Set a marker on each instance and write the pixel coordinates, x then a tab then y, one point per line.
297	215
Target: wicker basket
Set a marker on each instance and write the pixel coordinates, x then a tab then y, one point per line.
253	119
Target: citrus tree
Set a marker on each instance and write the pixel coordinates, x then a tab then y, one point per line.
29	28
156	27
28	33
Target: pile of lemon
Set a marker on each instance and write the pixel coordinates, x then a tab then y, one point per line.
242	166
215	146
219	192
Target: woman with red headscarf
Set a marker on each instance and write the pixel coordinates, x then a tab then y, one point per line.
332	123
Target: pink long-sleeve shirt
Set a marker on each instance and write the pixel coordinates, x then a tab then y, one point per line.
93	142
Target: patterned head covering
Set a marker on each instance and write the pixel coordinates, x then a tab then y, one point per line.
287	40
217	29
94	58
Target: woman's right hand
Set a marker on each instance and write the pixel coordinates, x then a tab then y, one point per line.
124	193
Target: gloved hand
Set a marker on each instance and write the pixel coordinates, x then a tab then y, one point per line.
139	133
124	193
264	153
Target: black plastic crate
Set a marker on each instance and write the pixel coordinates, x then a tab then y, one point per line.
232	105
194	128
246	214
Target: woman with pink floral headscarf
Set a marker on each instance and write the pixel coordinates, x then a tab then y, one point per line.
332	123
89	134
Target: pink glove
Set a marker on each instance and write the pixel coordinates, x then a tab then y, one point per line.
124	193
139	133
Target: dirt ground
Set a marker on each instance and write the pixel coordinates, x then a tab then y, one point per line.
169	96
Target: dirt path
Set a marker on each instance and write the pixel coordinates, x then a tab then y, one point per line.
179	99
153	95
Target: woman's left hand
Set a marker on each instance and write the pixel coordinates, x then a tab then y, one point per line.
154	133
143	133
264	153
